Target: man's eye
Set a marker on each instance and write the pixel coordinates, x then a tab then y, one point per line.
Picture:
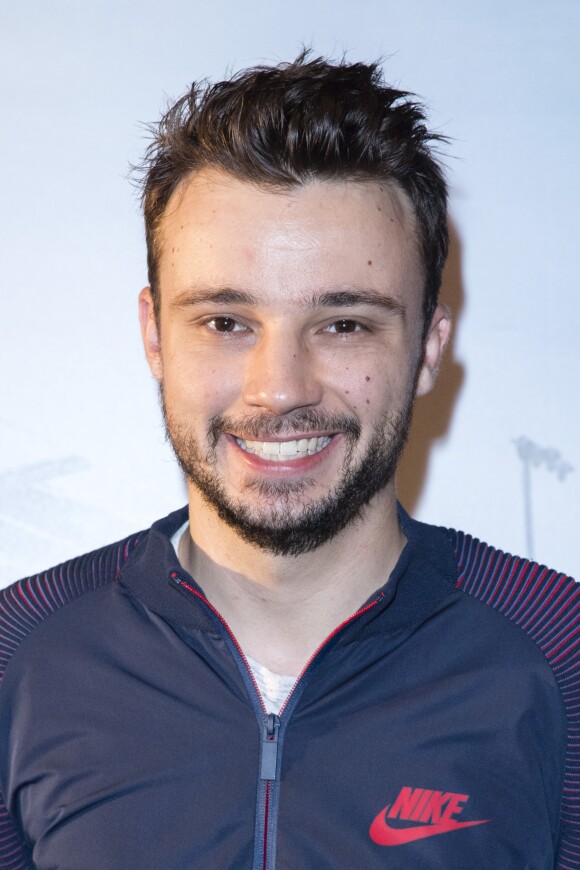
224	324
345	326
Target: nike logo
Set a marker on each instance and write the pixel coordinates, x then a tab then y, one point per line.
384	835
433	809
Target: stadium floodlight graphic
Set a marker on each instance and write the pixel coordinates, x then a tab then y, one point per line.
534	456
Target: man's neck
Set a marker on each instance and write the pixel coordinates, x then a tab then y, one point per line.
281	608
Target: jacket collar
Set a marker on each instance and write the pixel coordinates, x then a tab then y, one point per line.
423	576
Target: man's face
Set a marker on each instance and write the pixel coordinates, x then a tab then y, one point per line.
289	350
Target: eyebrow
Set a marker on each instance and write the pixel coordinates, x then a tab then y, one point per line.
353	298
326	299
218	296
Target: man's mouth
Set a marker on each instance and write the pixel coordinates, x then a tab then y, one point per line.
283	451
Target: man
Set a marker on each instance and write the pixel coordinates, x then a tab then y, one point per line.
291	672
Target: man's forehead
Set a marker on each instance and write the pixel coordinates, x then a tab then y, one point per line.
212	187
323	237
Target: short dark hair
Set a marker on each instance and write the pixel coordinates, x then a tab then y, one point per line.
285	125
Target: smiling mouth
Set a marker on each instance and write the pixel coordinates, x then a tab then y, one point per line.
283	451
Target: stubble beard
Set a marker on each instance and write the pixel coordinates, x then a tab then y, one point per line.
289	523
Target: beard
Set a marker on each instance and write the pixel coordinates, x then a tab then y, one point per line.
289	523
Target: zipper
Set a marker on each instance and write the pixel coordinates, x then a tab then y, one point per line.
269	759
270	746
266	820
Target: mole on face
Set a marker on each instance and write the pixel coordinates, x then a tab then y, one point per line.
370	262
367	378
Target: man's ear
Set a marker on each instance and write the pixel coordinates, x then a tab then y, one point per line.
434	348
150	332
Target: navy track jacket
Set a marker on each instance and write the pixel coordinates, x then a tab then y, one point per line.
436	728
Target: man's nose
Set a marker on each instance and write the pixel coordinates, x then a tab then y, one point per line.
281	374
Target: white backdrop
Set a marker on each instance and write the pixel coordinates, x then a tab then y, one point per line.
496	449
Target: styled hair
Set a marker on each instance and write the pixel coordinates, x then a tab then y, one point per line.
283	126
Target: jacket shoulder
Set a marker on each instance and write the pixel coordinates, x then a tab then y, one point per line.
28	602
518	587
542	602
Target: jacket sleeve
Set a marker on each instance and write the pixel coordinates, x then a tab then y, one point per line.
14	854
546	606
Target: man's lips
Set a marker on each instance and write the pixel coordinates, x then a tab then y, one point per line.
285	450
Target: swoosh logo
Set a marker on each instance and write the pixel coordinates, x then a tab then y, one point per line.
382	834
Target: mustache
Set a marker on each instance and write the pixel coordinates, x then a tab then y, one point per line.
302	421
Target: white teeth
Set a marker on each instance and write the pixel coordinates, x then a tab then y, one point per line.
276	451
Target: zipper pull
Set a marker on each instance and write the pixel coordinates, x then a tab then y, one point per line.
269	759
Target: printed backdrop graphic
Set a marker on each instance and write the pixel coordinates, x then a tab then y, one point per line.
495	450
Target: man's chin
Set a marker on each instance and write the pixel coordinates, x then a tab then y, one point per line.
274	502
280	517
280	531
272	517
